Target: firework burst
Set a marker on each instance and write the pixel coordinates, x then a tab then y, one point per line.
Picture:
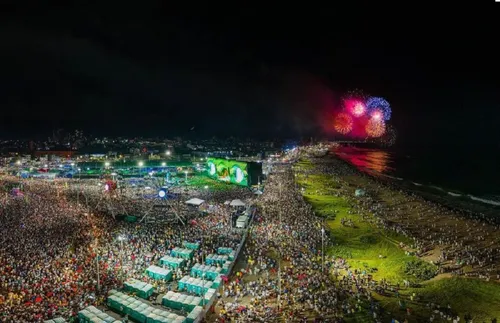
343	123
354	103
389	138
375	128
379	106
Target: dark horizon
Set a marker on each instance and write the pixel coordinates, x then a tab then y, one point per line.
143	73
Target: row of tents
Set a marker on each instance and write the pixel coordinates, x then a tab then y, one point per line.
197	202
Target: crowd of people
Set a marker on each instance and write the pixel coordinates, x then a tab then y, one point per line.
58	235
285	274
453	239
54	242
286	277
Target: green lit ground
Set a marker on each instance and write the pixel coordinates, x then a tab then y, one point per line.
362	245
201	180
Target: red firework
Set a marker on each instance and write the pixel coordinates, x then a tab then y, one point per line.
343	123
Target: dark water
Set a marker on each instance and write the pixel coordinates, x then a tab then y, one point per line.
472	173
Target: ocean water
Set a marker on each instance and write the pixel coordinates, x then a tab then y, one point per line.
461	173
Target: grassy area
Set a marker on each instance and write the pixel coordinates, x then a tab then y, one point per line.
369	248
473	297
362	243
200	180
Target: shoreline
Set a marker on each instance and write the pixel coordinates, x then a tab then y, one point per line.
394	164
459	202
463	217
333	193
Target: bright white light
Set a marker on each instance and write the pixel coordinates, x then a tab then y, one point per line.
212	169
162	193
72	164
140	164
121	238
106	187
164	164
168	153
18	162
46	165
206	187
239	175
61	165
197	165
106	164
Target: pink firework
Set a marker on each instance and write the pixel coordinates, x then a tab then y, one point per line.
377	115
355	107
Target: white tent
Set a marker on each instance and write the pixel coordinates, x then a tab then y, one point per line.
237	203
195	201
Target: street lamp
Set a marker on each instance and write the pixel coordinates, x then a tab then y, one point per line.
106	164
168	153
140	167
322	249
121	239
163	164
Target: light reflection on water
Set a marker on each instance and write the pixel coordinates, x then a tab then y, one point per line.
367	159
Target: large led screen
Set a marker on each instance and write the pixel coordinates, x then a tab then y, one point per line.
227	170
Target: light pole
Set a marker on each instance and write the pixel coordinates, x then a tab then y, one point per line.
279	258
186	172
279	281
78	189
121	238
140	167
98	279
322	249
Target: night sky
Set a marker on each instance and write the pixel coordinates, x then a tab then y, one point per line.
141	70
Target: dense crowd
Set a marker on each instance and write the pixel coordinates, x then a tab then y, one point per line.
59	234
53	242
283	259
452	239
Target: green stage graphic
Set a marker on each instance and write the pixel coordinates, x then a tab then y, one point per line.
228	170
